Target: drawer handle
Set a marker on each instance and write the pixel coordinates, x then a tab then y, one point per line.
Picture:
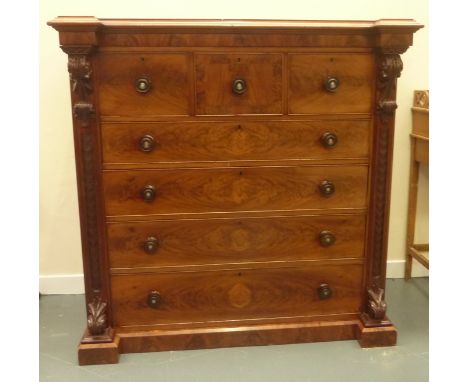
143	85
324	291
329	140
148	193
154	299
327	238
147	143
327	188
151	245
239	86
331	84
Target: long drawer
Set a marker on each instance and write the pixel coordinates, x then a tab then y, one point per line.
235	140
234	241
170	191
191	297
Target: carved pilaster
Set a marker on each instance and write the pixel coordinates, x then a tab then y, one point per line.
88	171
389	69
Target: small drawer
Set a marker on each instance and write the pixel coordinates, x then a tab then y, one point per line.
141	84
228	241
230	141
238	84
227	295
331	83
173	191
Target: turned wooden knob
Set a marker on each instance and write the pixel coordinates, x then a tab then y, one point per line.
324	291
327	188
148	193
146	143
239	86
327	238
151	245
329	140
331	84
154	299
143	85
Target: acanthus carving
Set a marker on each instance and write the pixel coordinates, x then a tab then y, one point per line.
84	113
376	305
97	317
390	67
79	68
80	71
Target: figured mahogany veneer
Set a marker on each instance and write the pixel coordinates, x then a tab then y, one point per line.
169	84
261	73
243	294
233	179
235	241
223	141
308	73
234	189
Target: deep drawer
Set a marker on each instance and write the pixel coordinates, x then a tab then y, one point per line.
172	191
192	297
229	141
234	241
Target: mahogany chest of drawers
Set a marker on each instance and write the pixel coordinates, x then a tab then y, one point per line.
233	179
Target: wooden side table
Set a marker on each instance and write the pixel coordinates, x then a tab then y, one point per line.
419	154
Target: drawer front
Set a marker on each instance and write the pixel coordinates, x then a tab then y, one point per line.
217	91
228	141
309	73
233	189
192	297
223	241
143	84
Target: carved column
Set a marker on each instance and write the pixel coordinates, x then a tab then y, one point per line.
389	67
88	168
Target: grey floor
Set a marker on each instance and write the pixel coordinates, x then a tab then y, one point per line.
62	321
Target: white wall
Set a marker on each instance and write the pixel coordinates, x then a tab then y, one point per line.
60	248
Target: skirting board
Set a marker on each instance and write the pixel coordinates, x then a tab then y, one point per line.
73	284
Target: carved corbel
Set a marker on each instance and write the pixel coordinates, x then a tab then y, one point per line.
390	67
84	112
79	68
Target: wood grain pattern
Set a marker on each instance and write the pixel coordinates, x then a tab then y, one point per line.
169	75
99	353
235	295
376	336
225	241
234	140
216	72
236	177
230	335
308	72
233	189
